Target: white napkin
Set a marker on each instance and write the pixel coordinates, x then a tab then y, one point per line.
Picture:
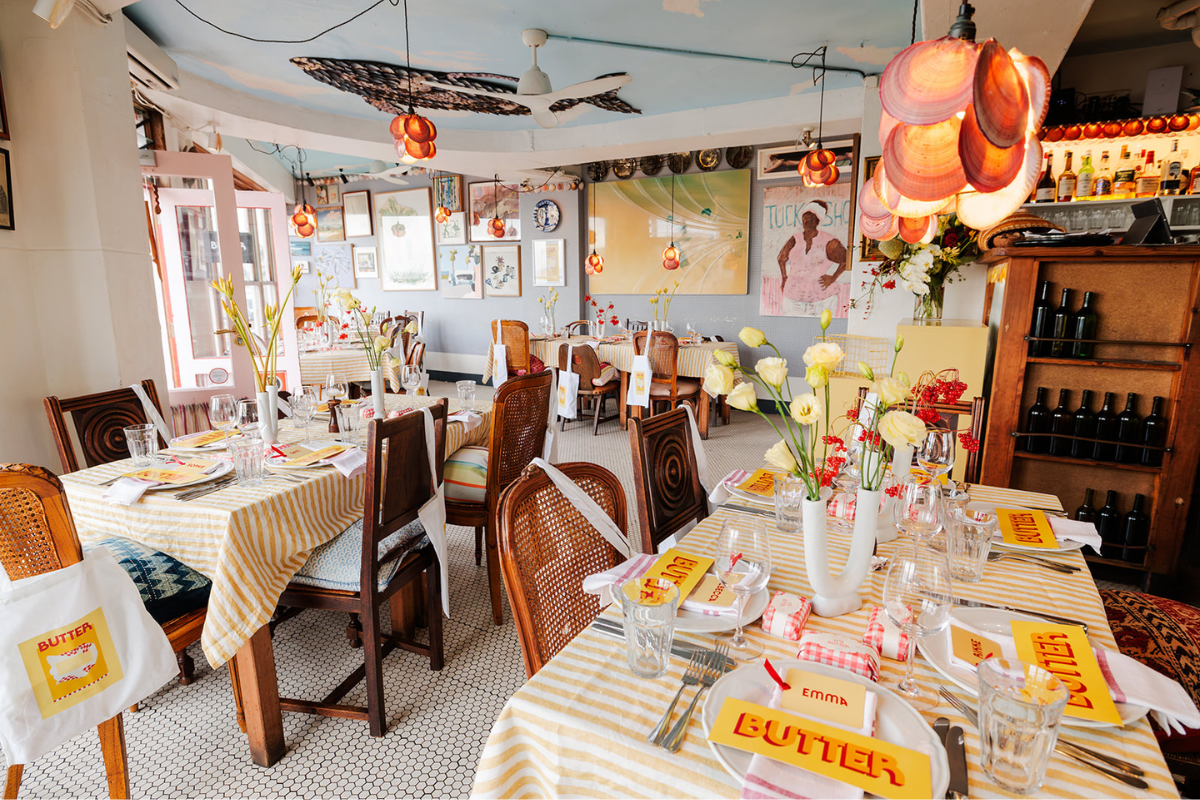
700	605
592	343
720	493
127	491
1075	531
602	583
767	778
351	463
469	419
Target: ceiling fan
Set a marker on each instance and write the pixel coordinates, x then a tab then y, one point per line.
534	90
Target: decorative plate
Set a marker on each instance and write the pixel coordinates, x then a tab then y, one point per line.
708	160
598	170
546	215
679	162
652	165
739	157
624	167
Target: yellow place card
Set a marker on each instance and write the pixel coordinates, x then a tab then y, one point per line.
316	455
925	477
682	569
1025	527
712	592
1065	651
199	439
171	475
971	647
824	697
645	590
761	483
879	767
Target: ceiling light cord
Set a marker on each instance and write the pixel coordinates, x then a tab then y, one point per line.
408	58
371	7
913	36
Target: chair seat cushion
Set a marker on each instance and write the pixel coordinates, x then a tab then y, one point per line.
608	373
337	564
169	588
683	387
466	474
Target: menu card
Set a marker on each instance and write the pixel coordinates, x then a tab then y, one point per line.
682	569
1021	526
312	457
188	472
761	483
199	439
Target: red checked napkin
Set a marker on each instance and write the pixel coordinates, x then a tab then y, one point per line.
885	637
838	651
786	616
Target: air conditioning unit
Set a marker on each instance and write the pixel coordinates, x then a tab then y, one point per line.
149	66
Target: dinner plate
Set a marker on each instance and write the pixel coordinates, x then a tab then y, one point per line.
223	469
896	722
175	445
695	622
1065	545
990	620
750	498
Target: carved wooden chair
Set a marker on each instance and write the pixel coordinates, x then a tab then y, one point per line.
973	409
372	561
597	382
547	548
514	335
476	476
37	535
666	387
577	328
669	493
634	325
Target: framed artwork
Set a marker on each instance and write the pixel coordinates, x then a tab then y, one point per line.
305	266
357	209
502	270
3	114
365	263
780	163
549	262
711	226
447	191
328	194
460	271
490	200
300	247
336	260
868	249
453	230
404	225
6	195
330	227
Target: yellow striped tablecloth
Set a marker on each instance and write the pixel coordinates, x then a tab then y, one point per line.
578	727
348	364
249	541
692	362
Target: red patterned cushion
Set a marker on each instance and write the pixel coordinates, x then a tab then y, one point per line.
1165	636
536	365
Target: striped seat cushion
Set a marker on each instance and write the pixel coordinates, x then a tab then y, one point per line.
169	588
337	564
607	373
466	474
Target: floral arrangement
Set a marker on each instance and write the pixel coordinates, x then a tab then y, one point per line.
940	387
602	314
548	303
263	360
661	301
924	268
373	346
322	295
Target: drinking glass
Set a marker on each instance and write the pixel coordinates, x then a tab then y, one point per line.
466	395
916	511
789	494
970	540
936	454
1020	709
691	332
142	441
247	418
649	606
411	378
222	413
247	461
335	389
743	564
304	408
917	599
349	419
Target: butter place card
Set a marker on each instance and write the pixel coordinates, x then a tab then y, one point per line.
1065	651
682	569
761	483
1021	526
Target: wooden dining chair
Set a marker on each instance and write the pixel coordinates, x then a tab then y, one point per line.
307	319
666	387
419	318
597	382
665	476
514	335
972	408
577	328
634	325
37	535
369	563
476	476
99	420
547	548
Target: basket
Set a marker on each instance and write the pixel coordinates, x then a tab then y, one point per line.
871	350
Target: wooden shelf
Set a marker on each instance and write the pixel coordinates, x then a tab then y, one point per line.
1087	462
1113	363
1113	562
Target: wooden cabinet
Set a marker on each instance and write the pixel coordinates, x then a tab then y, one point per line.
1147	307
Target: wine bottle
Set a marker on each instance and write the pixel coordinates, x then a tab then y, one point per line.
1106	430
1062	425
1085	513
1043	312
1135	530
1108	524
1038	421
1129	433
1045	190
1066	182
1085	427
1104	179
1059	327
1083	327
1154	434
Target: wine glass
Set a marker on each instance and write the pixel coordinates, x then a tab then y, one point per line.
936	454
743	564
247	418
222	413
335	388
917	511
304	408
917	599
691	332
410	376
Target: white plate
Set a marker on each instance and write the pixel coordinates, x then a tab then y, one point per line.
989	620
896	721
280	463
224	468
175	445
1065	545
695	622
752	499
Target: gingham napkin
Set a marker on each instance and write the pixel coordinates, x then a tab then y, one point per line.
720	493
602	583
885	636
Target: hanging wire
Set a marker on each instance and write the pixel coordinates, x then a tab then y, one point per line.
818	72
913	36
672	209
371	7
408	58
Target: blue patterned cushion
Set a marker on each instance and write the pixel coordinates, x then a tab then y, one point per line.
337	564
169	588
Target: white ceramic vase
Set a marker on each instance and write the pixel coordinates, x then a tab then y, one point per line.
834	596
268	414
377	392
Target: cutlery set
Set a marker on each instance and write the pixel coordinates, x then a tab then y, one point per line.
207	488
956	753
1057	566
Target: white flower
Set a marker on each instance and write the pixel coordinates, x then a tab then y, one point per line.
743	398
824	354
806	409
900	428
890	391
718	380
780	456
752	337
773	371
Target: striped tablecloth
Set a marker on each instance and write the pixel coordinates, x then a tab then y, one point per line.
249	541
348	364
692	362
578	727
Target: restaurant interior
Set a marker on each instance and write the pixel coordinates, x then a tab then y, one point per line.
705	398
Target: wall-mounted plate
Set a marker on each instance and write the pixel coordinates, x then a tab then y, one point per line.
679	162
546	215
739	157
652	165
624	167
598	170
708	160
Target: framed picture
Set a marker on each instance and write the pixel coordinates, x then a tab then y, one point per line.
490	200
328	194
330	227
305	266
460	271
336	260
549	262
404	221
300	247
780	163
447	191
6	195
365	265
502	270
453	230
3	115
357	209
868	249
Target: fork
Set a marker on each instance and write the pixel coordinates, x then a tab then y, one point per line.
708	678
1041	562
1129	772
691	677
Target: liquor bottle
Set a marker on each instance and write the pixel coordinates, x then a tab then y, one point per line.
1043	313
1083	327
1148	182
1172	176
1104	179
1045	190
1085	427
1154	434
1038	421
1125	178
1129	433
1062	425
1106	430
1065	190
1085	513
1108	525
1059	328
1193	184
1135	530
1085	182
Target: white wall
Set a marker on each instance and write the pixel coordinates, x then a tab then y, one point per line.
1125	70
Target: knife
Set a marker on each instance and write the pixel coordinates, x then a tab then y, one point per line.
747	510
681	649
956	753
958	601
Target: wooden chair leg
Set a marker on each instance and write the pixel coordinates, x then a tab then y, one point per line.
403	608
237	694
116	763
187	667
493	558
420	606
373	658
599	404
478	546
354	631
12	783
433	606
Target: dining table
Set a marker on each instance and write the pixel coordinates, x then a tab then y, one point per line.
348	362
578	726
249	541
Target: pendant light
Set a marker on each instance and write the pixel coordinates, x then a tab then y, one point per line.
817	168
441	213
304	218
670	253
594	264
960	134
413	133
495	224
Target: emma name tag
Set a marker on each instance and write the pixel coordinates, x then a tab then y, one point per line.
825	698
316	455
1024	527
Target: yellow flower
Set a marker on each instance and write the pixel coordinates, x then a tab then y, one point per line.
725	359
825	354
816	376
865	370
718	380
772	370
780	455
742	397
295	275
890	391
381	343
654	300
806	410
900	428
826	319
899	342
752	337
902	376
411	328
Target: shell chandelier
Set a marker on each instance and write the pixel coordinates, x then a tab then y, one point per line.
960	134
